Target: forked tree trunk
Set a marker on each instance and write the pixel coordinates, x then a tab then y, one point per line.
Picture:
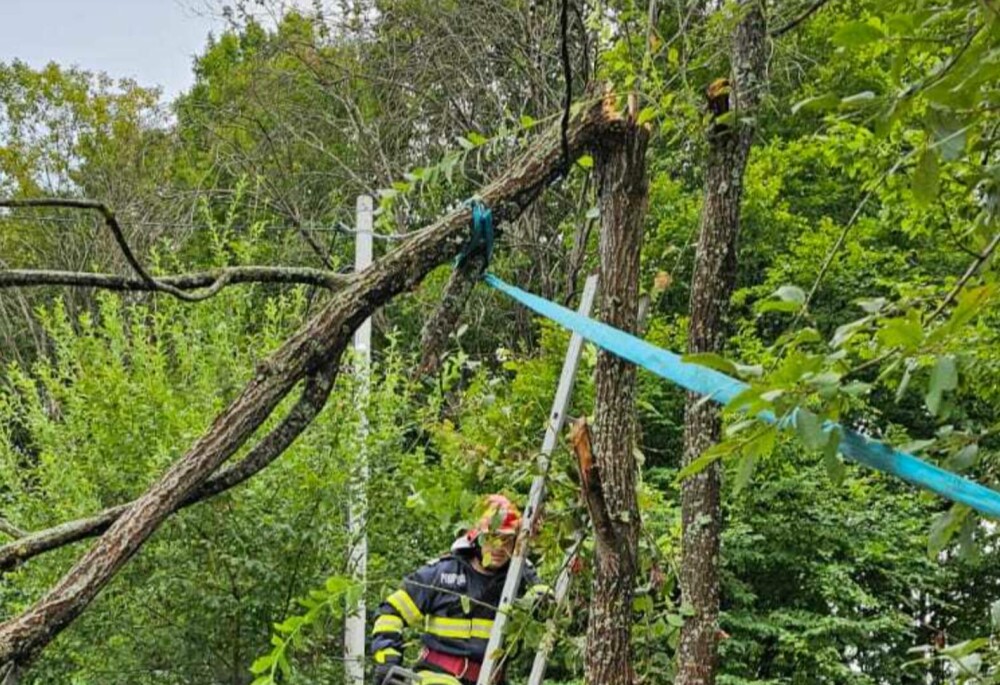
712	285
621	170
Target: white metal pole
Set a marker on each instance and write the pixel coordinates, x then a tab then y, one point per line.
515	572
562	588
354	623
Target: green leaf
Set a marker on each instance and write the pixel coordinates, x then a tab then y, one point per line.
854	34
646	114
915	446
449	165
817	103
712	361
261	664
944	377
765	306
963	649
477	139
337	584
726	119
970	303
791	293
856	388
527	121
906	332
641	603
762	444
744	471
943	527
752	370
465	143
748	400
925	178
697	466
872	306
285	667
858	99
706	459
847	331
797	338
466	604
809	429
835	468
965	458
586	161
948	133
995	615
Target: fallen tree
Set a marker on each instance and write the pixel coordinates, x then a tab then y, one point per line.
316	347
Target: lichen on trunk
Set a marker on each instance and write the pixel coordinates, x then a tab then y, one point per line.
711	288
621	169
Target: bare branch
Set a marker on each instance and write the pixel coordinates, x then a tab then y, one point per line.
10	529
10	674
809	11
212	280
969	273
112	223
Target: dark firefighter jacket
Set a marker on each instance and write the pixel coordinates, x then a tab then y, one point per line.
431	601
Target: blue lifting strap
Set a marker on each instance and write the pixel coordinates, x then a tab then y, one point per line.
482	234
721	388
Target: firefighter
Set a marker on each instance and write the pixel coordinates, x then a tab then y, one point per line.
453	601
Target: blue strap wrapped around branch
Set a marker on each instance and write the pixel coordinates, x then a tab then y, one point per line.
721	388
481	238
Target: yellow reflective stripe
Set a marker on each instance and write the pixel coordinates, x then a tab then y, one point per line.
403	603
388	624
432	678
381	654
482	627
458	628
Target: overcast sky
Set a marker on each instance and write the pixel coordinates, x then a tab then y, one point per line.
152	41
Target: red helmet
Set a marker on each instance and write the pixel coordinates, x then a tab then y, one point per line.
499	516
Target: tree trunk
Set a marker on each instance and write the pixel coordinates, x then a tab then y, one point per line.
712	285
319	342
621	170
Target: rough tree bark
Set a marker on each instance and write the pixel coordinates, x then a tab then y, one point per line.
319	343
611	493
212	280
712	285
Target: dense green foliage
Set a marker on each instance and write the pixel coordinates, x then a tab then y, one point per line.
873	185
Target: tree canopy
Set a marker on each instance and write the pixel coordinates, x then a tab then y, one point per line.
864	291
